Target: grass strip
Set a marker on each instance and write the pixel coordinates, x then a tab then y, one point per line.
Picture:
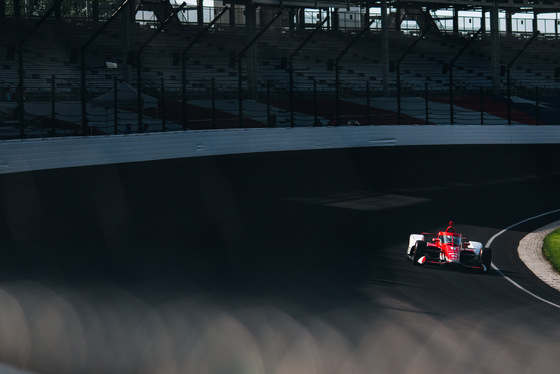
551	249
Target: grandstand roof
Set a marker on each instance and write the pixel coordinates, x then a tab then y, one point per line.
299	3
522	5
552	5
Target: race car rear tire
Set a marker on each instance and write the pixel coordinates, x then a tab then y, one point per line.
418	251
486	258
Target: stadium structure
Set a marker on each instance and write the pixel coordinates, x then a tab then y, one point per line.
110	67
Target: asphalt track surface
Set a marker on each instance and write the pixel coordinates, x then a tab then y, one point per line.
276	263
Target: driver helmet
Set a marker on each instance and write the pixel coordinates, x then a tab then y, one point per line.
450	228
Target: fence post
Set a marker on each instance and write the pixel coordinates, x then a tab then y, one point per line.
427	108
162	104
315	102
481	107
367	103
240	91
53	106
20	93
508	80
291	83
398	94
268	103
451	109
537	105
183	94
115	106
337	94
139	104
213	93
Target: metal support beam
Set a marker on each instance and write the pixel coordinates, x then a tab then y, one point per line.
20	93
398	66
162	105
139	62
116	106
53	104
385	48
239	67
450	67
184	63
83	89
291	67
199	12
508	69
455	21
495	47
336	67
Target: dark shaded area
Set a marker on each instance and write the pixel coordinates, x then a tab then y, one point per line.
524	113
326	108
201	118
264	220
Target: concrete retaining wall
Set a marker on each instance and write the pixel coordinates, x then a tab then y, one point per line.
39	154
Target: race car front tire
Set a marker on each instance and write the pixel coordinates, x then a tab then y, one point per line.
418	251
486	258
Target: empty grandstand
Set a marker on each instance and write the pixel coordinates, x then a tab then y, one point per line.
274	63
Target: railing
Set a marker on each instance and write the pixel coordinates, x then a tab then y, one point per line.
215	106
348	19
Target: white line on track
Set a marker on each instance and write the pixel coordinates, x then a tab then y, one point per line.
489	243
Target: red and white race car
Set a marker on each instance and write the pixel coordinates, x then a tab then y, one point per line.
448	247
